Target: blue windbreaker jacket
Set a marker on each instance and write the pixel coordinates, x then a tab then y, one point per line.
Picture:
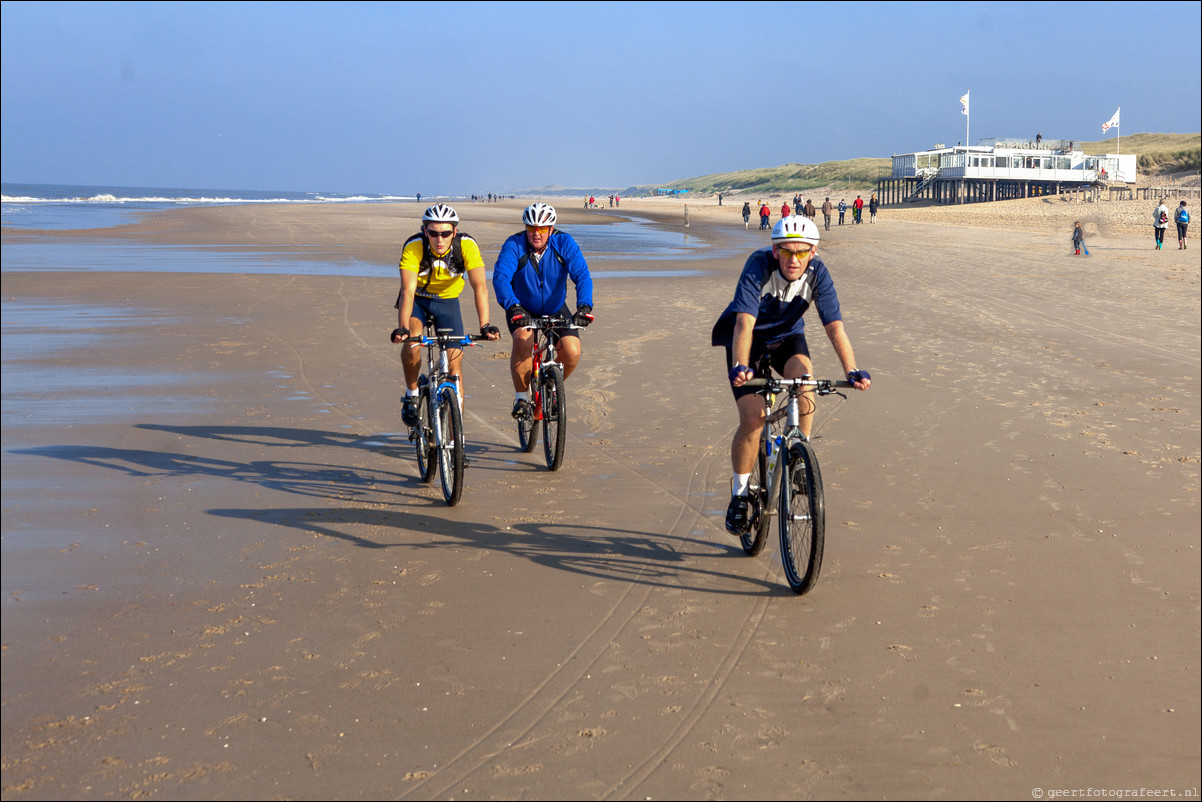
541	290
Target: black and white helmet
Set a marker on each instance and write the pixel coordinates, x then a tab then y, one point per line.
539	214
440	213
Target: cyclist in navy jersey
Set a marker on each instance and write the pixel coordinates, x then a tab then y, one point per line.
766	318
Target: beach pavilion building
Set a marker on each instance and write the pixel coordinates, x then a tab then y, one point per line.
1000	169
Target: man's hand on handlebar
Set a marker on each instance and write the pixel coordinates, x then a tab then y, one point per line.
518	317
399	336
739	374
583	316
490	332
860	379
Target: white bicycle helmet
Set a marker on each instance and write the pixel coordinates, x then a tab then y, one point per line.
795	228
539	214
440	213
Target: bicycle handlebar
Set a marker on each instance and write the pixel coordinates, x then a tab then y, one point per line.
823	386
438	339
550	322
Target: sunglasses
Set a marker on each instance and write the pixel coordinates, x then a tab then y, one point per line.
788	254
538	229
439	234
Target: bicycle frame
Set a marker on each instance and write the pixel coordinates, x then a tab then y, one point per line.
542	352
546	392
439	433
787	460
438	366
790	412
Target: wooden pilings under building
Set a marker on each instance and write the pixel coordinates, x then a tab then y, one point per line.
891	191
966	190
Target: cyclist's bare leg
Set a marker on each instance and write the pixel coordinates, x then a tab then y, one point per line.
799	365
746	442
519	359
411	355
567	352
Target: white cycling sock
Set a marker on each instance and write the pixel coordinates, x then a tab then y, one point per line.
521	395
410	393
739	484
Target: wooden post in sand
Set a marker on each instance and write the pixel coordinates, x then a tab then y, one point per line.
686	215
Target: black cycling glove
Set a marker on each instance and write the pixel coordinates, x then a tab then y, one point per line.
517	316
583	316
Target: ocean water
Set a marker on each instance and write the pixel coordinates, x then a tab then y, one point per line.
68	207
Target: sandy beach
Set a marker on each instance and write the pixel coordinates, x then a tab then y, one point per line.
223	579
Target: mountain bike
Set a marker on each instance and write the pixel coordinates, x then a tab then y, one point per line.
786	480
438	435
549	402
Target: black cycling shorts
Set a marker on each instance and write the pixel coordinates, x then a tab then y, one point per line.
762	358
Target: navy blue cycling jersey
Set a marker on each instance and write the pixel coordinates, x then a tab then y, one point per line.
777	305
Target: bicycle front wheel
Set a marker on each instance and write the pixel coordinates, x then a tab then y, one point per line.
527	433
450	448
753	539
802	517
555	419
424	438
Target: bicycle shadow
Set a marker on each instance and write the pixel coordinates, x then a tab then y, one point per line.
395	445
600	552
649	558
316	479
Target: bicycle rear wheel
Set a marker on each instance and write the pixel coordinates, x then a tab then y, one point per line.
753	539
802	517
555	419
424	437
450	450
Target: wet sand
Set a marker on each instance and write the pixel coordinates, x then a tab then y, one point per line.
223	579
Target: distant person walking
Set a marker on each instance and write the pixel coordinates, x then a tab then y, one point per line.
827	208
842	209
1160	221
1182	218
765	214
784	209
746	213
857	210
811	212
873	205
1079	239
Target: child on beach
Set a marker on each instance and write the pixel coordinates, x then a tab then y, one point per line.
1182	219
1079	239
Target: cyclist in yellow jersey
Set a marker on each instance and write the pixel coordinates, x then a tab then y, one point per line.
434	264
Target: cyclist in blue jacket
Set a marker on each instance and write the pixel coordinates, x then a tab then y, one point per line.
530	279
765	320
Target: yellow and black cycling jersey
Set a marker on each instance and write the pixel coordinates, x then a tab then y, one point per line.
441	276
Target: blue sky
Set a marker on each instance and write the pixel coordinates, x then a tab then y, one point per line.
464	98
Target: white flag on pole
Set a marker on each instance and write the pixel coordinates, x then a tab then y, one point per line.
1106	126
964	104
